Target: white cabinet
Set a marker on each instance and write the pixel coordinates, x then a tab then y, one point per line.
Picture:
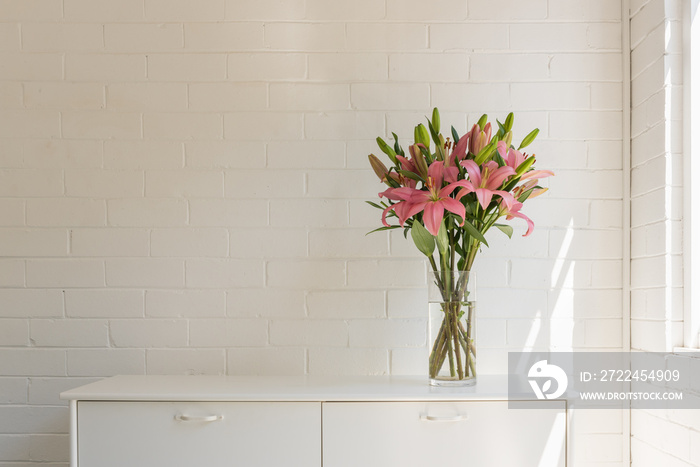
193	434
420	434
193	421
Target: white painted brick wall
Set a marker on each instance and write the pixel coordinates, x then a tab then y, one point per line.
182	189
655	196
658	437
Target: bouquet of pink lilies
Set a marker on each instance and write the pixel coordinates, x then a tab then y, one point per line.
448	197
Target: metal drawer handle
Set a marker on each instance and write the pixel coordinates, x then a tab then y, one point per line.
205	418
454	418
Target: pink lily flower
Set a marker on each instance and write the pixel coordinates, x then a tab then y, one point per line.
485	182
514	211
513	158
432	202
436	200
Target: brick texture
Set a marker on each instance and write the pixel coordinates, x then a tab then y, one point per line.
658	437
182	188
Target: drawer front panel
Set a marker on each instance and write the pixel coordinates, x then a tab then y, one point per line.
196	434
417	434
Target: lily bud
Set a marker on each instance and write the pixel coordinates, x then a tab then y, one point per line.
421	135
378	167
536	192
509	122
479	138
525	166
436	120
509	139
419	160
482	121
531	186
529	138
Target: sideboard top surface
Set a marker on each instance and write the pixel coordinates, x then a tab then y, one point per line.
283	388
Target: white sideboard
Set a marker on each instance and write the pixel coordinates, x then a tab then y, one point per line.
218	421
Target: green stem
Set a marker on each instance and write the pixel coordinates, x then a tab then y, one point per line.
470	323
437	354
455	337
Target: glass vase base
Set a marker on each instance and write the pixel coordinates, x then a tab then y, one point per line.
453	382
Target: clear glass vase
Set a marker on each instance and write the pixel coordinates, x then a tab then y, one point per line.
452	328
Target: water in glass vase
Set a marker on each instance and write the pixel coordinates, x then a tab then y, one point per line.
452	329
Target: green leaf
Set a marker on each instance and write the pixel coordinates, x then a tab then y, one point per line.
524	196
428	157
434	134
411	175
511	184
440	148
501	129
506	229
461	264
397	146
442	240
390	181
380	229
529	138
455	135
475	233
423	239
436	120
497	157
375	205
459	249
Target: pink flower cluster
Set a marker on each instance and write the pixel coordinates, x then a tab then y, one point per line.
478	174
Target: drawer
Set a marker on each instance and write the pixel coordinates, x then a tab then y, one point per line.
418	434
199	434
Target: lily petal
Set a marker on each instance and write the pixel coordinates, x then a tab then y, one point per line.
447	191
432	217
467	188
515	158
473	171
406	164
451	174
454	207
436	172
537	174
508	199
385	212
407	210
530	224
503	149
497	177
398	194
484	196
460	150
